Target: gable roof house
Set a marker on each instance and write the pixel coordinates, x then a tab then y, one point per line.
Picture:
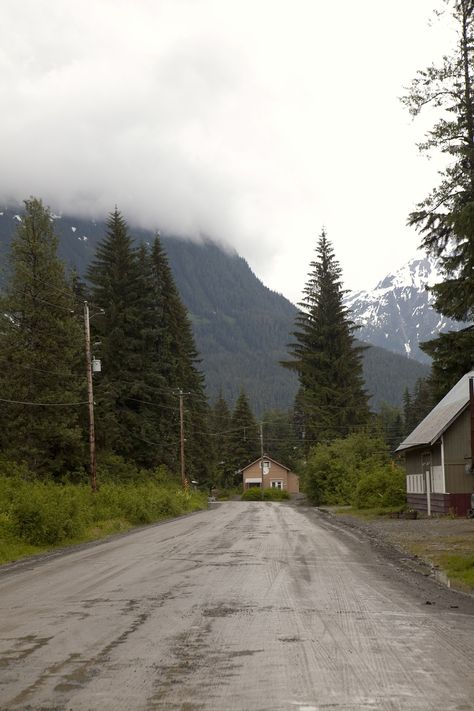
439	454
275	475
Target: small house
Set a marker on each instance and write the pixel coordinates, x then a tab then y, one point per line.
275	475
439	454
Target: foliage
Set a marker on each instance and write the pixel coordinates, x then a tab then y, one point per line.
281	437
445	218
254	493
46	513
417	404
391	423
148	355
453	356
333	470
220	424
325	356
382	486
41	352
244	446
459	568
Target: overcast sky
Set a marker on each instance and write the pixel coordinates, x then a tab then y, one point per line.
254	122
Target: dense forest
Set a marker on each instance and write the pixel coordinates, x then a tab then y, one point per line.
241	328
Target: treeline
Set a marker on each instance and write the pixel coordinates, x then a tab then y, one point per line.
140	332
143	338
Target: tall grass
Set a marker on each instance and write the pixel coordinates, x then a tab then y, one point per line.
47	513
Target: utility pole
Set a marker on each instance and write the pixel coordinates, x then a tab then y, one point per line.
261	453
181	438
90	398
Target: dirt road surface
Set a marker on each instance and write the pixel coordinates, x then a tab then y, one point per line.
249	607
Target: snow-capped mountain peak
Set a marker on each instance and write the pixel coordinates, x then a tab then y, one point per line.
398	314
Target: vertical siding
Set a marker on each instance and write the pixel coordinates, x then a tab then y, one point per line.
457	453
413	462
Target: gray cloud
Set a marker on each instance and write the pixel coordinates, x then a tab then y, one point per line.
251	122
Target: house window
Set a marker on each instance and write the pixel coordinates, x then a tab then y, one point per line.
266	466
277	485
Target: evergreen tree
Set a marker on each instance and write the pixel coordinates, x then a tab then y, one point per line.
418	404
177	358
279	437
41	353
453	356
445	218
327	361
221	427
117	289
244	445
390	421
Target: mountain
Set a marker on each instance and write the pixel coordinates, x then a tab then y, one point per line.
241	327
398	314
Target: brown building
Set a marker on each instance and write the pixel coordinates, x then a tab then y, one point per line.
275	475
439	454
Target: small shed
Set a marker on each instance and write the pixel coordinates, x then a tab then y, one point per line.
439	454
275	475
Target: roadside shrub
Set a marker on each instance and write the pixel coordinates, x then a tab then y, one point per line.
255	494
46	514
333	470
275	494
383	486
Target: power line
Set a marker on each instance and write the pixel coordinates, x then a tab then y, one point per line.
44	404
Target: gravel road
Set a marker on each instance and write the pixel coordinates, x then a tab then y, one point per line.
248	607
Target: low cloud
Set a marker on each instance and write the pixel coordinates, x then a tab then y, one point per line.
247	122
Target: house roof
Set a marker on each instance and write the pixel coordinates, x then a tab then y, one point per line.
265	456
441	416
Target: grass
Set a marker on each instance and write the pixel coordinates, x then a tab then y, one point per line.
12	550
451	554
450	551
40	516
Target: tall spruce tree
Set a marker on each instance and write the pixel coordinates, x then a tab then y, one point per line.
117	289
41	353
244	445
445	218
177	360
332	396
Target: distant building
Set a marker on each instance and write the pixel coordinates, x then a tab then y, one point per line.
439	454
275	476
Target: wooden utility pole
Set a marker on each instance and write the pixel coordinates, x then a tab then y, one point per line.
90	398
181	439
261	453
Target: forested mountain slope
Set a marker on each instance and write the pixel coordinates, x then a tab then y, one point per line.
241	327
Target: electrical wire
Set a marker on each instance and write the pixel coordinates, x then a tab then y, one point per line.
44	404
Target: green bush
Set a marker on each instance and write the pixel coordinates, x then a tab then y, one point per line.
255	494
383	486
47	513
333	470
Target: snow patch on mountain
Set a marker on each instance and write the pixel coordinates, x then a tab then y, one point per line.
398	313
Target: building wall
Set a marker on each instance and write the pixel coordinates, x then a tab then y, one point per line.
457	454
290	481
456	504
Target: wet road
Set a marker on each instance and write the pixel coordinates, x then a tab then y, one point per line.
247	607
